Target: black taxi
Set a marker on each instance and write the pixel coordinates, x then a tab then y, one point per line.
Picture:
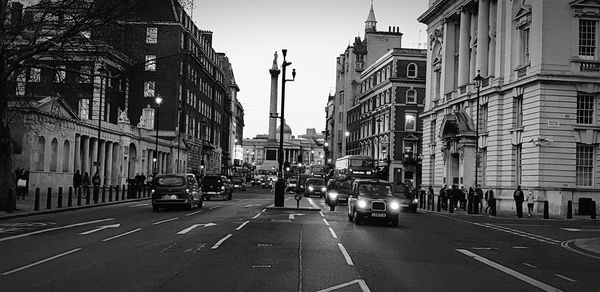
373	199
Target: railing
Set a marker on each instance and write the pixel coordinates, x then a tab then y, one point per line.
486	82
589	67
463	89
521	71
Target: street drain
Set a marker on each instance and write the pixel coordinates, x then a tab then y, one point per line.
264	244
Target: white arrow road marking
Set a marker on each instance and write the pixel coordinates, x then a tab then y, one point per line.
40	262
291	216
581	230
221	241
509	271
361	283
242	226
122	234
166	220
55	228
100	228
194	227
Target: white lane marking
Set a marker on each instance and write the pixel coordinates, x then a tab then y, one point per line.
361	283
122	234
520	233
40	262
321	212
228	204
55	228
565	278
509	271
214	207
581	230
346	255
251	205
313	203
184	231
264	210
193	213
139	205
484	248
100	228
221	241
325	220
530	265
566	245
242	226
520	247
291	216
242	200
256	216
332	232
166	220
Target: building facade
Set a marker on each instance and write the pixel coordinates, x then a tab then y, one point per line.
512	97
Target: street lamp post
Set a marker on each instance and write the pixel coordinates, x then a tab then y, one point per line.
280	184
158	101
103	74
478	80
179	109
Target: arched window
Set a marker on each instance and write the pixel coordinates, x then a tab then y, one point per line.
65	158
389	71
411	96
53	154
40	152
411	70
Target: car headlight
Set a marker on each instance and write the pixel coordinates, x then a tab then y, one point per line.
223	188
152	191
415	201
362	204
310	188
323	189
394	205
187	191
333	195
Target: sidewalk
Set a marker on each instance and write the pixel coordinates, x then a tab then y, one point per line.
290	203
56	203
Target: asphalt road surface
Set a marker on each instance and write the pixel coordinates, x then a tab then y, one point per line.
239	245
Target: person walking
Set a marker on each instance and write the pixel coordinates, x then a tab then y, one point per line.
22	183
519	198
530	202
444	196
489	198
478	207
76	180
85	184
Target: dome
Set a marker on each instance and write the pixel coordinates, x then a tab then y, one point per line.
286	129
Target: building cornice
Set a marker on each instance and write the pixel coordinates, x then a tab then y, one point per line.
435	10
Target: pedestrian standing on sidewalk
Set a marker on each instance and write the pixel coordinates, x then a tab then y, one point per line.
519	198
463	197
77	180
478	200
530	201
489	198
444	196
22	183
85	184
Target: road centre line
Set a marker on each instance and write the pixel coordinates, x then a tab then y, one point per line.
256	216
346	255
54	228
325	220
321	212
193	213
214	207
332	232
40	262
530	265
264	210
313	203
565	278
509	271
242	225
221	241
122	234
163	221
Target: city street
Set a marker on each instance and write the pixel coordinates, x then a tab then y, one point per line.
241	245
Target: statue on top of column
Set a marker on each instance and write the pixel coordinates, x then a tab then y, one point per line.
275	61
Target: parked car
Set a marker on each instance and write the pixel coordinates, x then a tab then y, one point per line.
216	187
171	190
408	198
239	183
315	187
373	199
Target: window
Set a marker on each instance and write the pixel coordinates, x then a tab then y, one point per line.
151	35
411	96
389	71
410	122
433	130
518	111
53	155
40	154
524	47
432	169
518	164
66	154
150	64
84	76
584	165
585	109
34	75
484	117
60	75
107	112
84	108
587	38
411	70
149	88
21	82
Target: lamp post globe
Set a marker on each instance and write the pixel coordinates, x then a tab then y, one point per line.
158	100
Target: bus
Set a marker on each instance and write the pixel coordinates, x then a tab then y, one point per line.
355	166
319	170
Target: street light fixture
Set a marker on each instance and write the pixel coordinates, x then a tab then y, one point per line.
478	79
280	184
158	100
347	135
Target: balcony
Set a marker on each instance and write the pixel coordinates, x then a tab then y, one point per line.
359	66
585	64
589	67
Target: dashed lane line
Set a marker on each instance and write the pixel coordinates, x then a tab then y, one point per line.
325	220
256	216
565	278
122	234
139	205
346	255
321	212
164	221
193	213
332	233
312	203
242	225
41	261
214	207
221	241
54	228
522	277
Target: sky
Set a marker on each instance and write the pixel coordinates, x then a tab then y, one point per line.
315	33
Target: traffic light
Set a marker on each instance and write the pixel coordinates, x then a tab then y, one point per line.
300	158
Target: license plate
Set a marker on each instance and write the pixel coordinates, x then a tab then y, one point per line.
378	215
210	193
404	205
166	197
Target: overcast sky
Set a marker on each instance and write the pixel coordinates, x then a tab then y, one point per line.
314	32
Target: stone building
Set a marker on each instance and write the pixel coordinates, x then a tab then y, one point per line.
512	97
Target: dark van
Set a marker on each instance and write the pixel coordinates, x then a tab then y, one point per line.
216	187
170	190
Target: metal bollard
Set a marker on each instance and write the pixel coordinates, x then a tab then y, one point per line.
70	198
36	204
79	196
439	204
421	203
593	210
116	192
546	211
493	208
110	189
569	209
103	194
60	197
49	199
123	189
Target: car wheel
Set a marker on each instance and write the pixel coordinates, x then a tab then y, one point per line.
154	208
357	220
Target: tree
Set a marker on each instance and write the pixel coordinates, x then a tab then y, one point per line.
35	29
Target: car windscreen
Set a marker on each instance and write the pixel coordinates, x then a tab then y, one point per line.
315	181
211	180
401	192
383	190
170	181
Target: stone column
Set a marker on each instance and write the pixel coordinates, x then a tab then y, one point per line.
86	156
273	101
109	163
463	47
101	168
77	154
94	158
483	40
473	48
492	35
